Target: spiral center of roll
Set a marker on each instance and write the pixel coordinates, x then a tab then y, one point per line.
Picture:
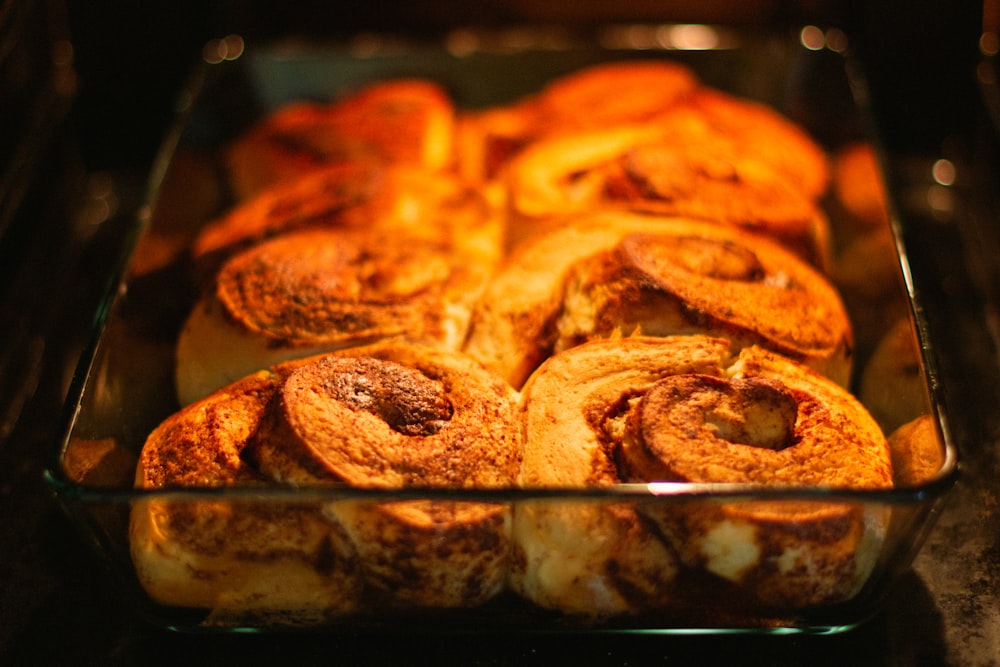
408	401
685	413
719	259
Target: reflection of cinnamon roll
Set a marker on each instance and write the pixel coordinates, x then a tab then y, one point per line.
395	416
917	452
317	290
892	381
860	188
358	196
589	557
409	121
663	169
285	561
867	274
617	273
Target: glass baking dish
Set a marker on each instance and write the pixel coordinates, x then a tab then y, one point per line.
124	388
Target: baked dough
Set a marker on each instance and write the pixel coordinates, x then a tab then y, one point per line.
677	167
669	410
617	273
281	562
359	196
388	416
400	121
597	96
318	290
395	416
587	556
764	420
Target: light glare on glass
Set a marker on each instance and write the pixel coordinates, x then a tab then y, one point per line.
227	48
943	172
693	37
812	38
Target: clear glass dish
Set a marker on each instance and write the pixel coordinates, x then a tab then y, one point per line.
124	385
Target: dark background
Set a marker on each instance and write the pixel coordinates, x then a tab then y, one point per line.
129	61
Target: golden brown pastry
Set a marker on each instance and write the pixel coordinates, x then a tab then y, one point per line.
622	273
284	562
662	168
593	97
762	131
322	289
389	416
588	557
394	416
407	121
681	410
357	196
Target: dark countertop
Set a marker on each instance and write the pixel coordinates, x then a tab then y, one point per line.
59	606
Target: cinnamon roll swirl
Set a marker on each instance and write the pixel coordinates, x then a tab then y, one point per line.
356	196
407	121
759	130
592	557
623	273
682	410
281	562
396	415
318	290
763	420
667	168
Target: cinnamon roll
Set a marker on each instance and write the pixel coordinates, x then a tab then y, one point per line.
391	416
281	562
407	121
682	410
622	273
321	289
763	420
662	168
386	416
760	130
358	196
589	557
593	97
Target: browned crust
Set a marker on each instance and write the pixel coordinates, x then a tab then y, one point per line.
618	261
401	121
